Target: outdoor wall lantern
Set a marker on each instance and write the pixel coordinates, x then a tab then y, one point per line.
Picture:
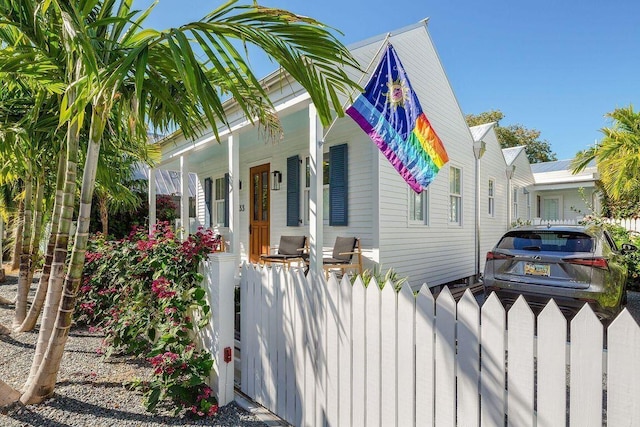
276	180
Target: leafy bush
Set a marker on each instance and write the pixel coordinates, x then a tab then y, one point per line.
621	236
141	291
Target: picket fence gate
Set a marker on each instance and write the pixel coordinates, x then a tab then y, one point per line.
340	355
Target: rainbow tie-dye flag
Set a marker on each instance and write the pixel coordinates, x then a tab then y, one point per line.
390	113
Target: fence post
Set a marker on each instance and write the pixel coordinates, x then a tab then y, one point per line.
219	336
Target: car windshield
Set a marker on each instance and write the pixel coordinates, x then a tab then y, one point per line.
547	240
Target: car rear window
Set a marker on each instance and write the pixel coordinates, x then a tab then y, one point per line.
547	240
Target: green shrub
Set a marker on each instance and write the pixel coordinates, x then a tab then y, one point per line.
621	236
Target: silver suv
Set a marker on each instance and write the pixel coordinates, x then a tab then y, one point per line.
573	265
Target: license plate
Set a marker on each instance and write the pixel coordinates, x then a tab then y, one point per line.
532	269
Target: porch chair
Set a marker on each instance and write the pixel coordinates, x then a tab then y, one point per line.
291	249
342	257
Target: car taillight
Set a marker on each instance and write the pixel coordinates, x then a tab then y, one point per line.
497	255
589	262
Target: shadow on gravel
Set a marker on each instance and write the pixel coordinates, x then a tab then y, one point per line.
9	340
29	418
98	415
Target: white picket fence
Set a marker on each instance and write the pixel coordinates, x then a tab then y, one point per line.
340	355
631	224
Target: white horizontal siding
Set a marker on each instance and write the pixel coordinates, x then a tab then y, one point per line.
523	178
573	204
492	166
439	252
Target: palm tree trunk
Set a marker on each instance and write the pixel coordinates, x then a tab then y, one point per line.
42	385
56	278
25	257
36	235
43	284
17	237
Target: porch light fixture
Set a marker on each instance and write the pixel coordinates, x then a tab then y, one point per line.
276	180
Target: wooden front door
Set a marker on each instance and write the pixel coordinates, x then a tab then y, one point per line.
259	212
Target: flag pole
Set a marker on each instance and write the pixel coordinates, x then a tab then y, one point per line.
366	71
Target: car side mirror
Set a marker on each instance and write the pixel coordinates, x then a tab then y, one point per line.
628	247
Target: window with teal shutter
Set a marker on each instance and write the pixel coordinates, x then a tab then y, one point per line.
293	191
338	185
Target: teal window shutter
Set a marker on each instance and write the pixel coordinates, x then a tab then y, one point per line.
293	191
208	212
226	200
338	185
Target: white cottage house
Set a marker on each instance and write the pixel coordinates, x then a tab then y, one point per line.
252	191
563	196
520	182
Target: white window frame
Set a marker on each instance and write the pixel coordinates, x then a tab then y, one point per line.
455	196
528	200
514	203
491	198
424	203
218	203
306	195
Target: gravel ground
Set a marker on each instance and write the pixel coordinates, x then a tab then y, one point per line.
89	391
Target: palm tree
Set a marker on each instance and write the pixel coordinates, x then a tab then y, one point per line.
155	77
617	155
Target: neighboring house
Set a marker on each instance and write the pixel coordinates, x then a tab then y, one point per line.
493	188
520	182
563	196
168	184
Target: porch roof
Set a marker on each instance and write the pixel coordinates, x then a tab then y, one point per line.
167	181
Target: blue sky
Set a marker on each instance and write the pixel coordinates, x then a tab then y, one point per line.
554	65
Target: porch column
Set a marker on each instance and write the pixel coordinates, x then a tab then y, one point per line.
233	144
315	195
184	199
218	335
152	199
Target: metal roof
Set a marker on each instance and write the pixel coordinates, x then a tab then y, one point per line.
480	131
167	181
558	165
511	153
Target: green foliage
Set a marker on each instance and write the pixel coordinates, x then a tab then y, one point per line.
538	150
621	236
142	292
390	276
520	223
618	159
